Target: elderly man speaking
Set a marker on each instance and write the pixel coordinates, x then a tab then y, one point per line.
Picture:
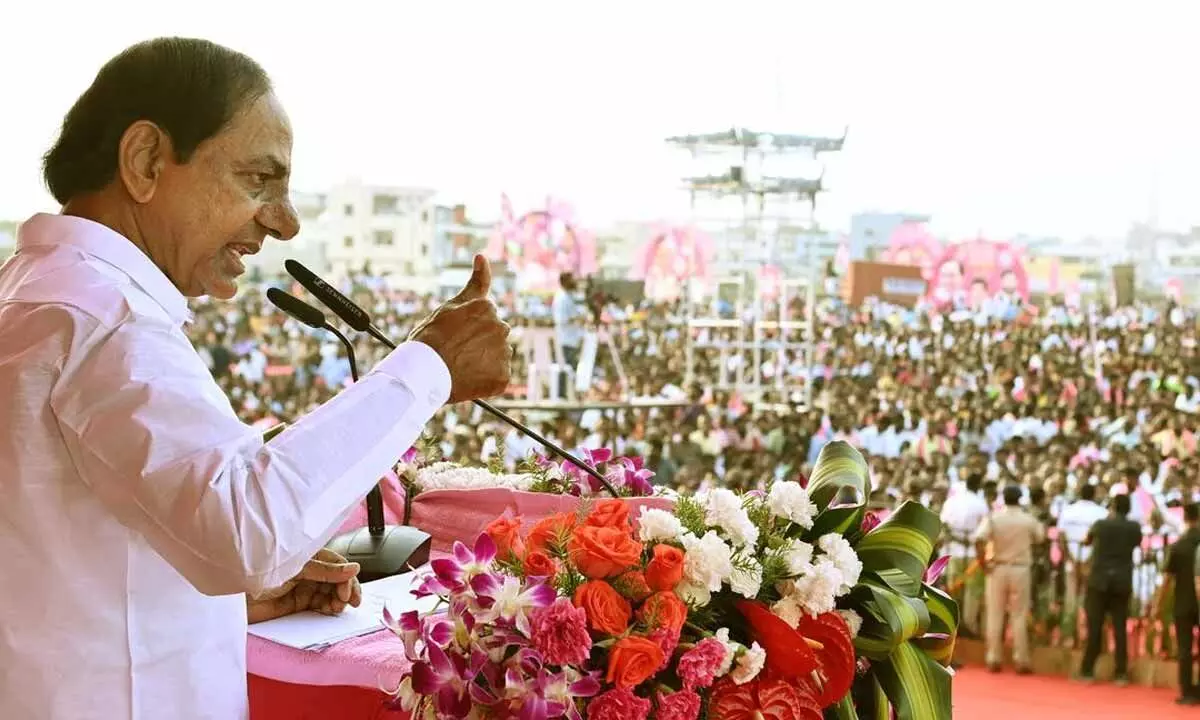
136	512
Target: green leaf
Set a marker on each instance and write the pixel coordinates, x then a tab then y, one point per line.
839	465
271	432
900	547
939	640
888	615
843	710
840	520
916	685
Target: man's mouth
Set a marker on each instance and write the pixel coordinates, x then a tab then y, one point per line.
245	249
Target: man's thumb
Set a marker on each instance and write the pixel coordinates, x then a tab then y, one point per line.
480	283
326	572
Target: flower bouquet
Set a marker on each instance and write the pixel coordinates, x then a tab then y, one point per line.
451	502
775	605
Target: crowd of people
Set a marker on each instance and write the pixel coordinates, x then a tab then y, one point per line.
1064	406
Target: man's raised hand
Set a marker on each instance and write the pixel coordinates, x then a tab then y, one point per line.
470	338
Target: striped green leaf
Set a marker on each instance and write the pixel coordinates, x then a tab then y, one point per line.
938	642
843	710
917	687
903	617
839	465
900	547
841	520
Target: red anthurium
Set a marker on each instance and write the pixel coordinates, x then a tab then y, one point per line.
835	657
788	656
762	699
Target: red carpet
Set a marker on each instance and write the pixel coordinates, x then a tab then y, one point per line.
979	695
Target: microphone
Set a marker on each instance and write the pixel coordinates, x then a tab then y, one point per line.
357	318
384	550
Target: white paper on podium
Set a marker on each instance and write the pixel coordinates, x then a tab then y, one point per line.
313	631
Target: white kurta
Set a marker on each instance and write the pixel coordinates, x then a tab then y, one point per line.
135	508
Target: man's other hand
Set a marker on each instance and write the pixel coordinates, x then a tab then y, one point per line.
470	337
327	584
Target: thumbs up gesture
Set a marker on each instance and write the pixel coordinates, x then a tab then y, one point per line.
470	337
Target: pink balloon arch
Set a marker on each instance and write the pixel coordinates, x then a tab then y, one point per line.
672	256
542	243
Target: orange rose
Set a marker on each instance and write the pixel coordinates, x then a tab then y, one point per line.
548	531
632	660
607	611
506	533
601	552
632	585
663	609
610	513
539	564
665	570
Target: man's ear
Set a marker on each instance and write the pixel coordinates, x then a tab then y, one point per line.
141	157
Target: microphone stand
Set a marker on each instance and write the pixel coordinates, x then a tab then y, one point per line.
381	550
357	318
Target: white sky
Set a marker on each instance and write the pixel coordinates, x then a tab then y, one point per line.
1042	117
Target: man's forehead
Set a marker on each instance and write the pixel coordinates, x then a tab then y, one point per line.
259	133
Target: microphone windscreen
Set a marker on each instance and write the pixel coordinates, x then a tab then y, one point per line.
342	306
296	307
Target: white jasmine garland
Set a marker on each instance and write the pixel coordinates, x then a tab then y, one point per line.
449	476
724	511
838	551
788	500
747	579
655	525
749	664
707	561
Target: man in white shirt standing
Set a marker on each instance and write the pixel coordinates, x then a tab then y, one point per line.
568	327
962	513
139	512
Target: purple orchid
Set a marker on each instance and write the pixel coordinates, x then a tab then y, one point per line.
411	456
412	629
445	678
506	599
561	689
870	521
935	570
455	572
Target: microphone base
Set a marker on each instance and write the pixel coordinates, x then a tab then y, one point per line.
397	550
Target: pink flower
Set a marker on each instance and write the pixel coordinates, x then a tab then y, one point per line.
618	704
698	666
560	633
682	705
667	638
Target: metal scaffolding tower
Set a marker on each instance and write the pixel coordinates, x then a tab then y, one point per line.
758	218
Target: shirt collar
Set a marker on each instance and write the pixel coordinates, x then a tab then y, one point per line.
106	244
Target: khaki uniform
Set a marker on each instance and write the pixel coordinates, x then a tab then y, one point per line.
1012	533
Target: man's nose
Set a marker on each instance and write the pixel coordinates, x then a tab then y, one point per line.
281	220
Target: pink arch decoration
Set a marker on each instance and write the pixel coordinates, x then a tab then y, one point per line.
673	255
543	242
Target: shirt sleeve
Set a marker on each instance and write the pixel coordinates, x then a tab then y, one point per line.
157	441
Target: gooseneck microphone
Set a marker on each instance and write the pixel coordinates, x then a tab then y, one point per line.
314	318
384	550
357	318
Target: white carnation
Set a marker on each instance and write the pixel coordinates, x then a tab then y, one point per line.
449	476
788	500
694	595
707	561
731	651
724	511
838	551
788	610
798	556
817	590
853	620
749	664
746	581
655	524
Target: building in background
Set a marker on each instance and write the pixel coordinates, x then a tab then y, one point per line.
8	239
870	232
456	240
388	231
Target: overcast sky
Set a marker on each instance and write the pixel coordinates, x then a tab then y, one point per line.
1042	117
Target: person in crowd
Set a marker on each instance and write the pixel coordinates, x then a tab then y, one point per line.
569	316
144	523
1074	522
1110	584
962	514
1012	534
1182	559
